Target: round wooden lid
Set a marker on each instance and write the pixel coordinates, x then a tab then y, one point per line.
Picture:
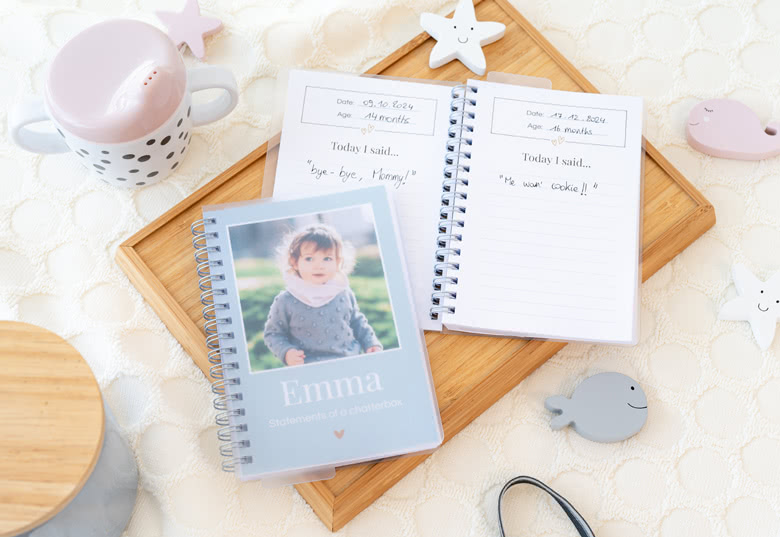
51	425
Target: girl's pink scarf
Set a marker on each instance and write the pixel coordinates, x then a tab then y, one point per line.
313	294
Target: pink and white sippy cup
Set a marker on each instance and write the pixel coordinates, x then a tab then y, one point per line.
120	97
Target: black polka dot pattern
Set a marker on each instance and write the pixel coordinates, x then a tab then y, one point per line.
149	165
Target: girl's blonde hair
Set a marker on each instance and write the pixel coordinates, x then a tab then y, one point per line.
325	238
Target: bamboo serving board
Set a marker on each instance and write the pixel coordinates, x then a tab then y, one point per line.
470	372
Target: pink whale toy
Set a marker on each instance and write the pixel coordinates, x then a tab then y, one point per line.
729	129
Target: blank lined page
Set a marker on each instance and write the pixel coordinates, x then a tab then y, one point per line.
343	132
552	226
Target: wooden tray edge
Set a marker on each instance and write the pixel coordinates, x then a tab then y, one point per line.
187	333
195	197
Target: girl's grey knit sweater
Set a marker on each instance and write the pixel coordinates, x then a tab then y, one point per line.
335	330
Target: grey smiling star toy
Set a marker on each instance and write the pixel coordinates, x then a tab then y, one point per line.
608	407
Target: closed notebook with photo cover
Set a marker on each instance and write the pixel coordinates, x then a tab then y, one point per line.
520	207
319	361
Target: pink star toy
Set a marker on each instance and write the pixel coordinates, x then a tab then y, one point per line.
189	27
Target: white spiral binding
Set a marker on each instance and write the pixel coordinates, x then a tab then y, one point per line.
217	333
454	190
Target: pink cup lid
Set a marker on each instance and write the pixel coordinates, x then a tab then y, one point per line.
115	82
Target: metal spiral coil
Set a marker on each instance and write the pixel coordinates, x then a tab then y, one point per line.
229	465
211	327
217	332
215	356
226	450
444	240
221	402
454	195
217	371
207	282
207	297
210	311
225	434
438	295
440	281
219	387
204	269
223	418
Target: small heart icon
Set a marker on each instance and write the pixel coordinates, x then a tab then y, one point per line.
339	434
363	130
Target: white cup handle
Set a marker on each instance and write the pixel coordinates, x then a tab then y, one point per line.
210	77
28	112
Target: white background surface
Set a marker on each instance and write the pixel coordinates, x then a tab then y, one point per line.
706	462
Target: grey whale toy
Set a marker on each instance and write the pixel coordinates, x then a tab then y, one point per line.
608	407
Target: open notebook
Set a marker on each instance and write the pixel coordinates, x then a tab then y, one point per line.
520	208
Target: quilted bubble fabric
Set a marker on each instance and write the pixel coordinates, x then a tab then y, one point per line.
706	463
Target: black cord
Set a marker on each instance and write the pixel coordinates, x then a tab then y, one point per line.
576	518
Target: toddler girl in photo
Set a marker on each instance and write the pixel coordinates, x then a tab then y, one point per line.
316	317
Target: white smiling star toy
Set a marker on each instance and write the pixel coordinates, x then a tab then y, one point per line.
758	303
461	37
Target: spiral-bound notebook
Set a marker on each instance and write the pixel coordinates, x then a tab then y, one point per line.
519	207
318	358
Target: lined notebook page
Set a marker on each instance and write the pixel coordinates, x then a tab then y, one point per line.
551	240
342	132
